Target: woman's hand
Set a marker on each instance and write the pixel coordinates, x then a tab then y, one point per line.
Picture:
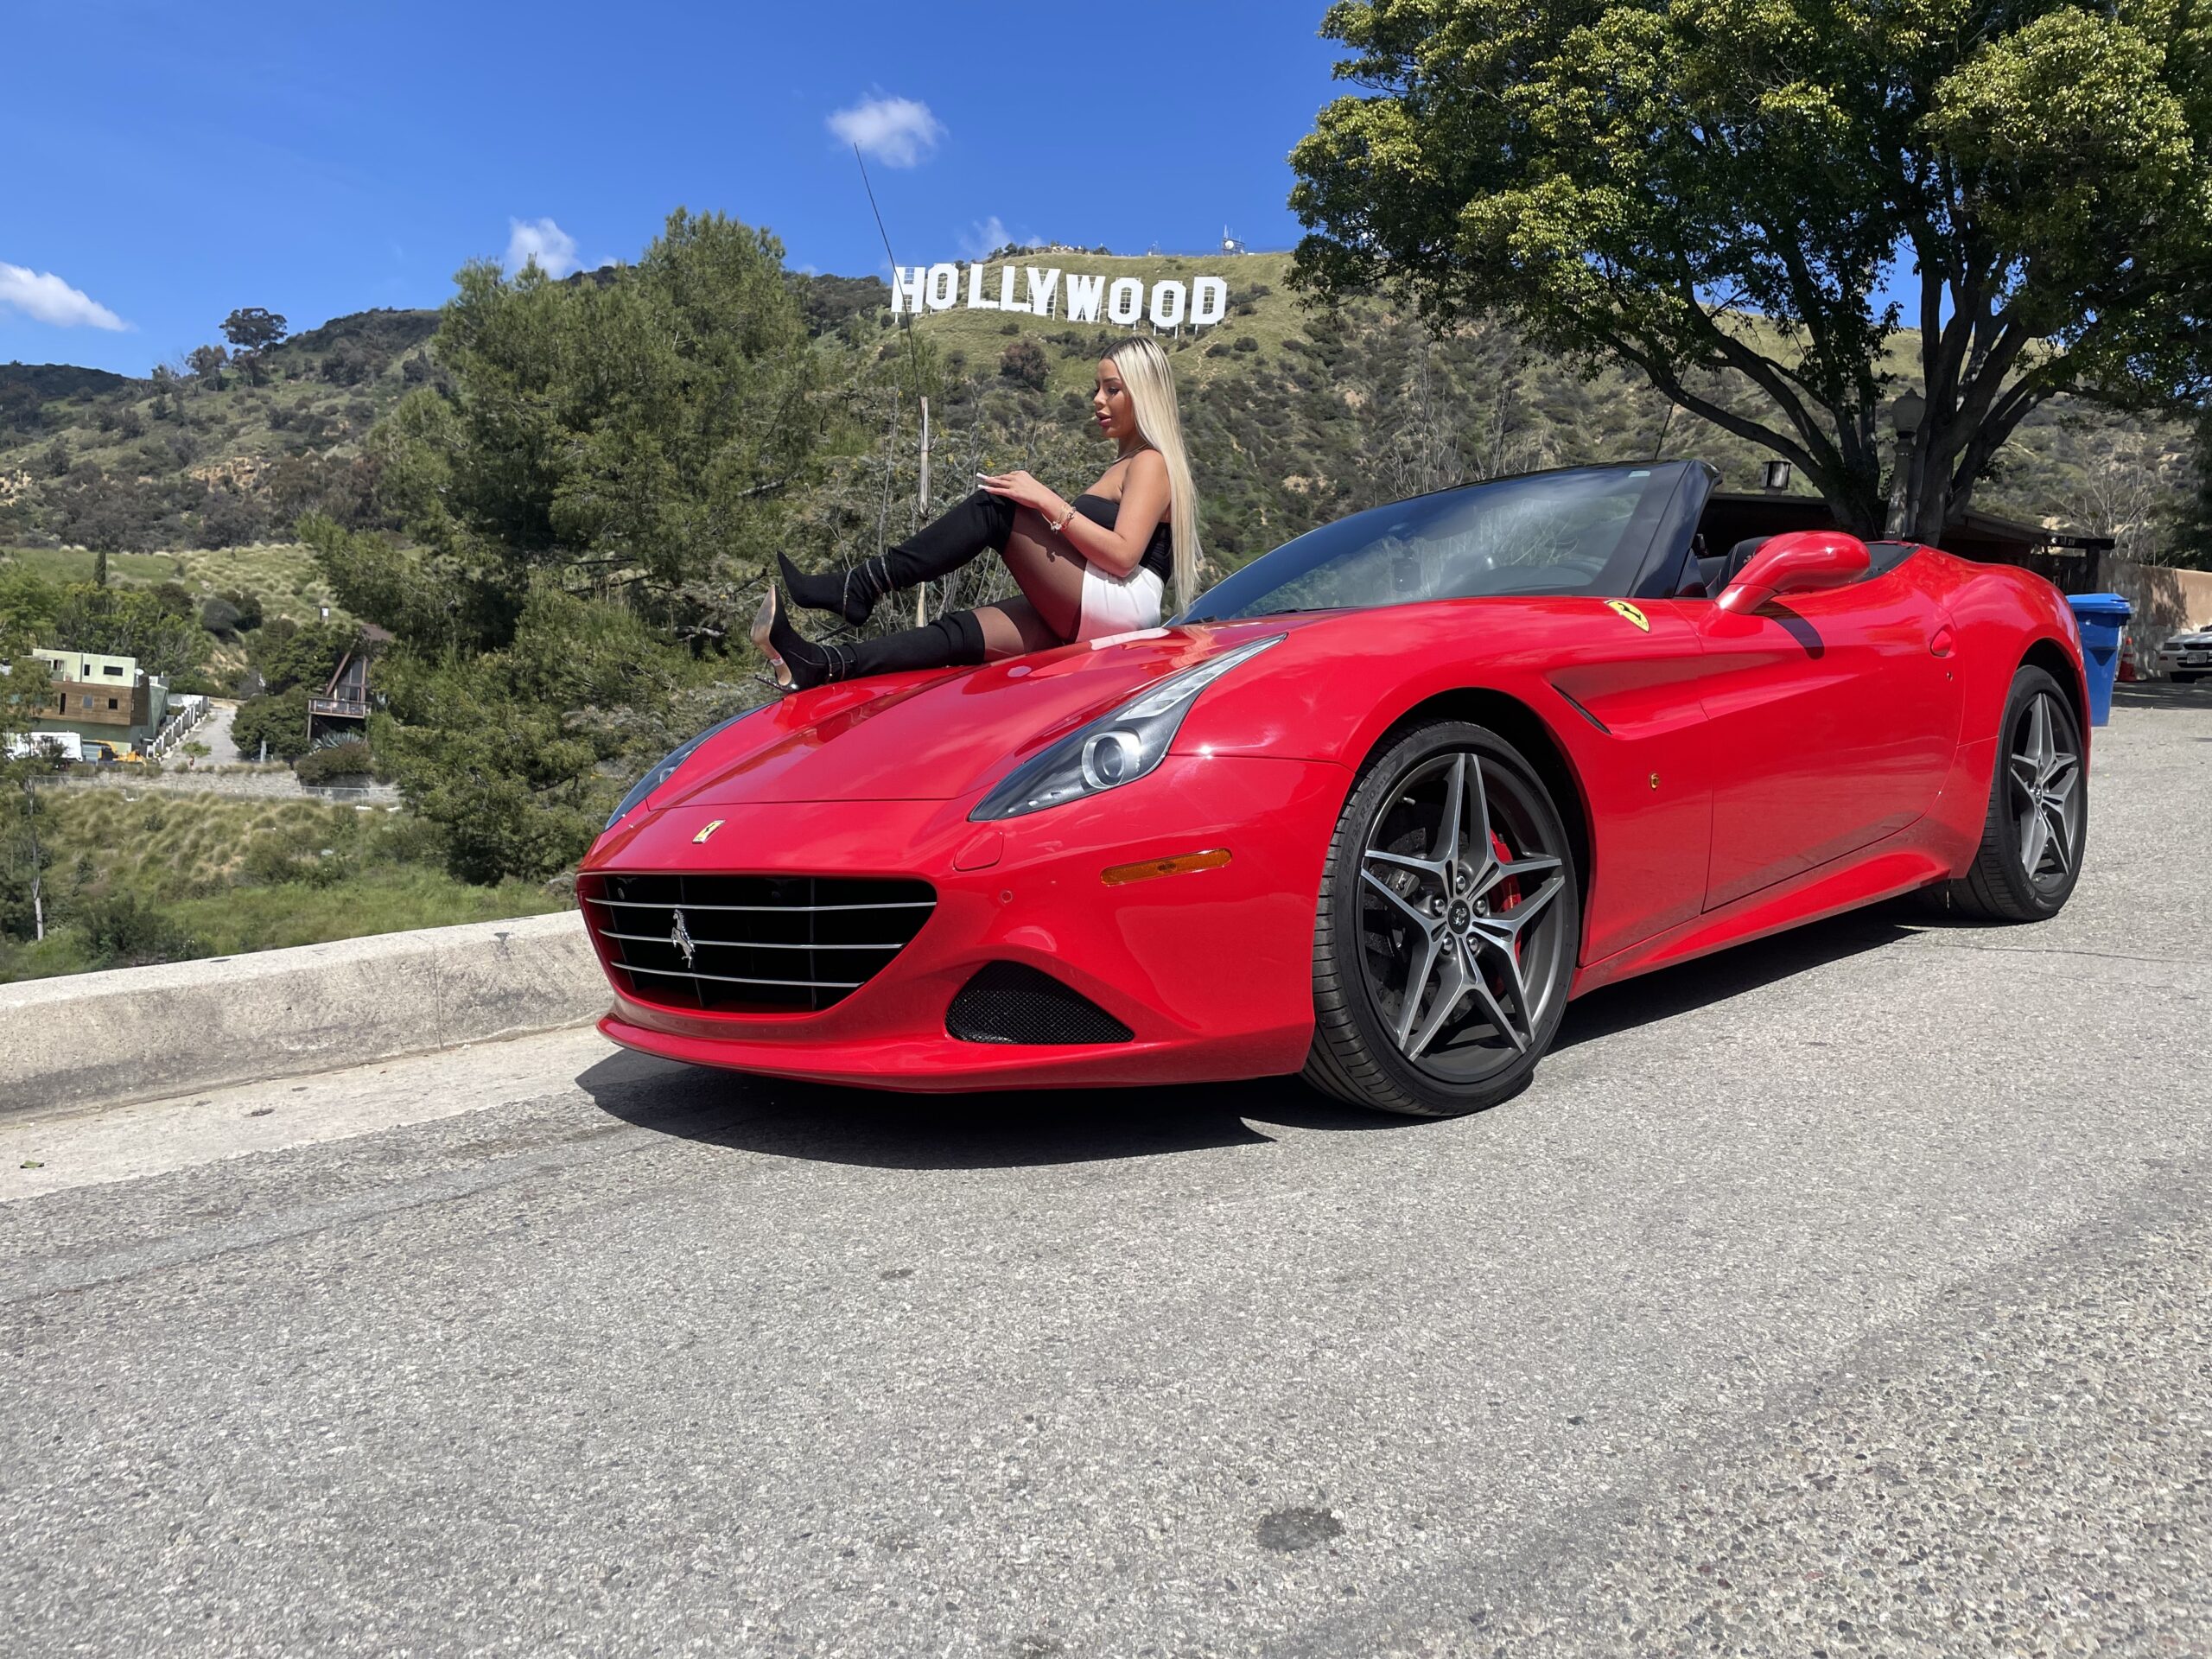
1026	492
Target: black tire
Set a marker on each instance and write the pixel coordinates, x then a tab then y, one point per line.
2000	888
1478	1044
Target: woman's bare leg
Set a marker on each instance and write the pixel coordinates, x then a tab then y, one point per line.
1013	628
1050	573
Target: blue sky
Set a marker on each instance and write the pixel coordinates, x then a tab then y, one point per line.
173	161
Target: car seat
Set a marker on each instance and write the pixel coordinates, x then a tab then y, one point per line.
1721	568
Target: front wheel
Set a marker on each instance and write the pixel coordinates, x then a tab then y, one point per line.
2038	819
1447	927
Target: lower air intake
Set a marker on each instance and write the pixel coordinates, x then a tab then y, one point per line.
1007	1002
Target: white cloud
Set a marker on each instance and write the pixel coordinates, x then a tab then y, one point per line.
897	131
541	239
42	295
986	236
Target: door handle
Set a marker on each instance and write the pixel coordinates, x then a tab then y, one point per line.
1941	641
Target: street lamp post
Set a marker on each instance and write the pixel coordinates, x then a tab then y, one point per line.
1906	415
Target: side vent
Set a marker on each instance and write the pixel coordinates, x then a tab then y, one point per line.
1007	1002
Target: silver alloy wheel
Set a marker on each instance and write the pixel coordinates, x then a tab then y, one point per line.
2046	776
1459	923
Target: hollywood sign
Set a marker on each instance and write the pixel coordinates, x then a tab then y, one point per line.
1127	300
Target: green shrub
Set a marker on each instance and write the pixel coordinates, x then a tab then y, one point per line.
333	762
123	930
280	719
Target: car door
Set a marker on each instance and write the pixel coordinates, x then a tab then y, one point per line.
1832	717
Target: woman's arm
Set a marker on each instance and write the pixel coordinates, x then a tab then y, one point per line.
1118	552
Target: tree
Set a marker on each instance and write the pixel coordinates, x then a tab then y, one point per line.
251	331
634	437
287	656
207	362
1025	364
1715	192
276	718
126	622
2192	541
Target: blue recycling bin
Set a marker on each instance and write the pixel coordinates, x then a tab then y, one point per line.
2103	617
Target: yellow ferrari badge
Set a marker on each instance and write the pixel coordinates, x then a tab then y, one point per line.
706	833
1631	613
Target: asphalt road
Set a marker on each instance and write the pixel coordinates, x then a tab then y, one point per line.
1846	1294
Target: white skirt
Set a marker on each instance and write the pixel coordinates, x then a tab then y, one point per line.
1118	606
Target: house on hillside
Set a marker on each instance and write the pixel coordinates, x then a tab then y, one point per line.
103	698
342	711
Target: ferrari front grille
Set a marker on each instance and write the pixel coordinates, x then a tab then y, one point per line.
750	943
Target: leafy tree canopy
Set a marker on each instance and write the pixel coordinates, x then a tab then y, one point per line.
1708	188
288	655
127	622
250	328
518	753
277	718
636	435
26	692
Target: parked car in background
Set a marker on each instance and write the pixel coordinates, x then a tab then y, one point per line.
2187	656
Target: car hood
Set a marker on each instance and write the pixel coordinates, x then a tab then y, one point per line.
936	737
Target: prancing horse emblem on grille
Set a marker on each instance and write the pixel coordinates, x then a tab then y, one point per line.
680	937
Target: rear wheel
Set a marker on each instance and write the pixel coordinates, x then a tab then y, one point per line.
1447	926
2038	820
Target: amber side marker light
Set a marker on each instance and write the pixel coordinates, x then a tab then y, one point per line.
1121	875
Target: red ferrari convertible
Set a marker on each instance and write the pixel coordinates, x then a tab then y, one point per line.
1375	810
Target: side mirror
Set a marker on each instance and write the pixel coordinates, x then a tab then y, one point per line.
1799	562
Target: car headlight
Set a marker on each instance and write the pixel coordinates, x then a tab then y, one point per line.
1118	748
660	773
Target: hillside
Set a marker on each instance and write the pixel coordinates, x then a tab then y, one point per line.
1293	416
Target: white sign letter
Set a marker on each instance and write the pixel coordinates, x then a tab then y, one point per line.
907	288
1041	289
1125	301
976	299
1083	296
1167	304
1209	301
1006	289
944	286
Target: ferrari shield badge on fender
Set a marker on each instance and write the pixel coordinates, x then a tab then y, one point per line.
1619	605
708	834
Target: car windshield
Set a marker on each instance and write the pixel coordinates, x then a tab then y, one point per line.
1579	531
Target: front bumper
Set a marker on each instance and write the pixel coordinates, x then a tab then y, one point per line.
1212	971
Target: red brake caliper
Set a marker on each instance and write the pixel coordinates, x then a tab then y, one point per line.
1508	894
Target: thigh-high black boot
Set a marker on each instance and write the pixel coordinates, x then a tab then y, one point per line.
981	524
952	641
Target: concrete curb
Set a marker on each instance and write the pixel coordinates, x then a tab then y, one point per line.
143	1033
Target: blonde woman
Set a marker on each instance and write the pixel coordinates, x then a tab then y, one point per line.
1096	565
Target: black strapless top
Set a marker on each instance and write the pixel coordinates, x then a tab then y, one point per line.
1159	552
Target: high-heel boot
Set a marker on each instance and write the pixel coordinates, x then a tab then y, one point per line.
800	664
981	524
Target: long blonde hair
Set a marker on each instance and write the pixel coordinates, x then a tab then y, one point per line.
1151	383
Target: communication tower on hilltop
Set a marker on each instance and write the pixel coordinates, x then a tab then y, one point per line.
1229	244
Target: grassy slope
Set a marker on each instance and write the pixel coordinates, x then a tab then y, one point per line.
282	573
239	875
